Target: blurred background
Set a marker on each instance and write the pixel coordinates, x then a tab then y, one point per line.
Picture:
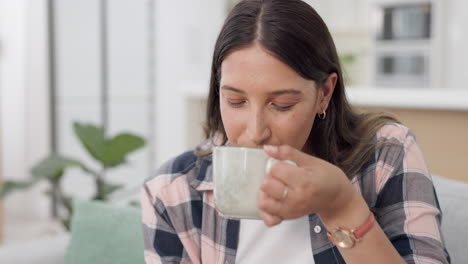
142	66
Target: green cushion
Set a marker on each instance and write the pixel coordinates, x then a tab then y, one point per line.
103	233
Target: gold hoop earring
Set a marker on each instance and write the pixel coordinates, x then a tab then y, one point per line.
323	115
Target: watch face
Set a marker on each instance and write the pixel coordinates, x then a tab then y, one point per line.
343	239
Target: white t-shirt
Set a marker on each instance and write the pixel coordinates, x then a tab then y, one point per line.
288	242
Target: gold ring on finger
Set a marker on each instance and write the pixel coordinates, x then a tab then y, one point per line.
285	193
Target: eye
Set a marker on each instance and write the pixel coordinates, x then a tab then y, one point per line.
236	104
281	108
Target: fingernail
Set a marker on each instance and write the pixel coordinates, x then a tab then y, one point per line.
270	148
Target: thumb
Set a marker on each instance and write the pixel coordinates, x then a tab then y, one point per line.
285	152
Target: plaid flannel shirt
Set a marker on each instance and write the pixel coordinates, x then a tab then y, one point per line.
182	225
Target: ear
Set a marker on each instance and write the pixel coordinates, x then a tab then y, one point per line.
327	90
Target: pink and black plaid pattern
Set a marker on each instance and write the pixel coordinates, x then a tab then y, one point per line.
181	224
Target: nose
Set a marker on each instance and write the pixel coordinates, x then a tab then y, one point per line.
258	130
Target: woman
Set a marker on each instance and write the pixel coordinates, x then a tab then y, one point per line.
361	192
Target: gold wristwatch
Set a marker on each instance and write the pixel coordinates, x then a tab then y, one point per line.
347	238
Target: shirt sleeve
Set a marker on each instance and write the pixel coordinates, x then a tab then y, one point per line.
406	205
161	242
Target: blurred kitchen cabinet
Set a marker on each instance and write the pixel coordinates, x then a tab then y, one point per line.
405	38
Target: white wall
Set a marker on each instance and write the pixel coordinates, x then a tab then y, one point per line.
36	98
79	77
25	97
13	84
12	89
132	90
456	37
78	82
186	33
24	109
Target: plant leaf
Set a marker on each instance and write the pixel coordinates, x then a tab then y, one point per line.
89	170
109	188
106	189
52	167
66	223
10	186
92	138
121	145
348	58
67	202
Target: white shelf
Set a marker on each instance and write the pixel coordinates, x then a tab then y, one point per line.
403	45
414	98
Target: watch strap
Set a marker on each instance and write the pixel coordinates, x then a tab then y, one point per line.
360	231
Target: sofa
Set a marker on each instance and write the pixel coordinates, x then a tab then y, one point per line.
453	199
103	233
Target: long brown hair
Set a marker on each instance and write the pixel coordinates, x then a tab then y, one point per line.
293	32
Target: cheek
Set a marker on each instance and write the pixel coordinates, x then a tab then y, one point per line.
298	125
232	122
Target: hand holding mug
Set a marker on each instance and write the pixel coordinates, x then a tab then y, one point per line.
314	186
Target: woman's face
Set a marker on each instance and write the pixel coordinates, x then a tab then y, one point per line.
264	101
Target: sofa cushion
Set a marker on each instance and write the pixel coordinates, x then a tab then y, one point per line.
453	199
103	233
45	250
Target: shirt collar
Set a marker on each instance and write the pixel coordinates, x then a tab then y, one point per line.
201	177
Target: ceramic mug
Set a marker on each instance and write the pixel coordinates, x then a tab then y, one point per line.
238	173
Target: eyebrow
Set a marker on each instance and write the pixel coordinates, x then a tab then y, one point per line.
277	92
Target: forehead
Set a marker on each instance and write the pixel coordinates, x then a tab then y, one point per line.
254	67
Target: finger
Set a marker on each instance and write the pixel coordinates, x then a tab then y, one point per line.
285	152
288	174
273	187
269	219
269	205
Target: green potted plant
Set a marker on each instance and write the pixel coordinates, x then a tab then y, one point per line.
110	152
